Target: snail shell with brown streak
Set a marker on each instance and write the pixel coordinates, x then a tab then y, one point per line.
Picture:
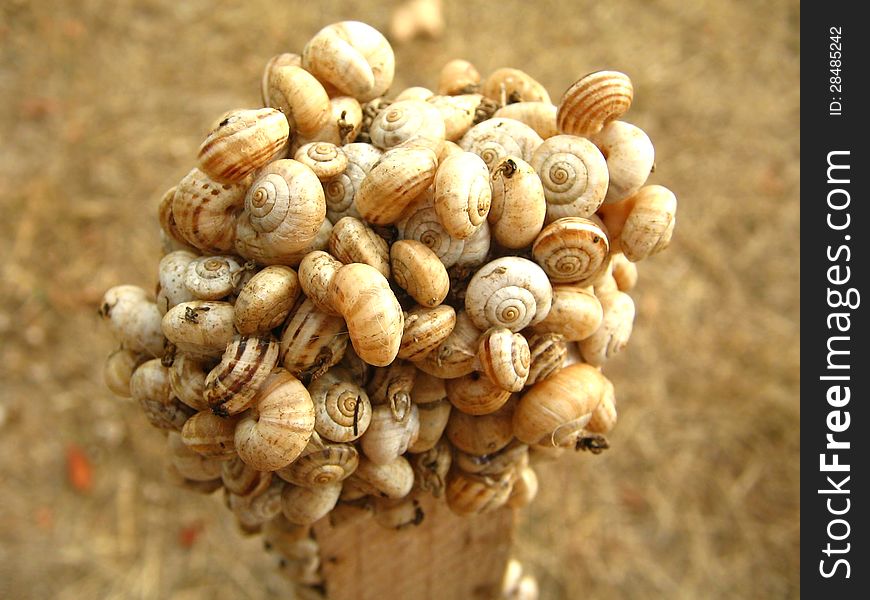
417	270
594	101
205	211
574	174
463	194
342	410
518	208
425	329
399	177
321	464
509	292
230	387
352	241
266	300
312	341
548	352
187	378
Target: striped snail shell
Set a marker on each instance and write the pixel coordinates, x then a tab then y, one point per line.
458	113
242	480
505	358
574	175
540	116
315	273
190	464
231	386
431	467
575	313
630	158
475	394
321	464
305	505
458	76
425	329
468	494
352	241
342	411
463	194
508	85
205	211
398	178
284	210
481	434
407	123
614	331
457	354
418	270
325	159
571	250
149	386
495	139
171	273
547	355
518	208
341	189
212	277
266	300
241	142
593	101
187	378
433	420
210	435
420	222
509	292
296	93
312	341
278	429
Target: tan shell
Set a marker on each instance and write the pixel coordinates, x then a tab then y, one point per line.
341	190
555	409
320	242
212	277
630	158
649	226
315	273
408	123
448	149
425	329
312	341
428	389
280	425
389	480
210	435
325	159
305	505
512	85
433	420
149	387
604	417
374	318
342	411
475	394
482	434
540	116
187	378
399	177
548	353
457	355
613	333
468	494
352	241
431	468
495	139
200	328
475	249
463	194
392	385
286	59
243	141
525	489
509	292
420	222
418	271
513	456
387	437
323	464
458	76
342	127
594	101
505	358
190	464
574	174
134	320
624	272
572	250
353	57
458	113
205	211
118	369
171	273
284	211
576	313
242	480
518	208
297	93
177	479
415	92
168	227
266	300
252	511
231	386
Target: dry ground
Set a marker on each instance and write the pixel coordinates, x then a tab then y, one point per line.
104	103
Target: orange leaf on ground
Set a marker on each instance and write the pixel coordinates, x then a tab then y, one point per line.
79	471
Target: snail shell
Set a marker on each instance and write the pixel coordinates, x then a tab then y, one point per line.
374	318
205	211
420	222
428	389
463	194
212	277
388	480
284	211
342	126
280	426
388	437
210	435
341	190
525	489
624	272
187	378
254	511
518	208
133	319
513	456
574	174
190	464
457	355
468	494
649	226
559	405
408	123
118	369
575	313
425	329
315	273
505	358
342	411
571	250
630	158
312	341
397	514
614	331
320	242
297	93
325	159
431	468
447	149
417	270
458	76
475	394
172	272
286	59
174	240
414	93
433	420
508	85
458	113
202	327
604	416
173	477
540	116
509	292
353	57
266	300
495	139
305	505
475	248
242	480
328	464
594	101
399	177
352	241
231	386
243	141
149	386
483	434
548	352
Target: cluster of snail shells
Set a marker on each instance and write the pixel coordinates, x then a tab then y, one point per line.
363	300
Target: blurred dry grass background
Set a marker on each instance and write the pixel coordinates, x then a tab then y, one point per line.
104	103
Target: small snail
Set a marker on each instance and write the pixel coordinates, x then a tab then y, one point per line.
425	329
408	123
325	159
518	208
312	341
201	327
509	292
594	101
505	358
508	85
342	411
298	95
230	387
458	76
399	177
418	271
630	158
265	300
574	175
210	435
463	194
352	241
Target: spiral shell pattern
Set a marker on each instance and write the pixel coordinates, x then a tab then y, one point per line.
212	277
571	250
230	387
594	101
407	122
547	352
421	223
463	194
574	175
331	464
325	159
495	139
505	358
204	211
342	411
508	292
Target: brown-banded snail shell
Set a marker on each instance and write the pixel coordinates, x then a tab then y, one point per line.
312	341
495	139
458	76
425	329
571	250
540	116
205	211
352	241
342	411
463	194
266	300
231	386
575	313
468	494
418	270
518	208
212	277
297	93
509	292
243	141
187	378
399	177
476	394
630	158
341	190
210	435
574	174
200	327
505	358
408	123
508	85
594	101
149	386
548	352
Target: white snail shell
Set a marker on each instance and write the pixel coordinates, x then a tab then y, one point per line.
509	292
408	123
518	208
463	194
420	222
212	277
574	175
630	158
495	139
342	411
341	190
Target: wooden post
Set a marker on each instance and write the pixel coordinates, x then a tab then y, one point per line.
445	557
